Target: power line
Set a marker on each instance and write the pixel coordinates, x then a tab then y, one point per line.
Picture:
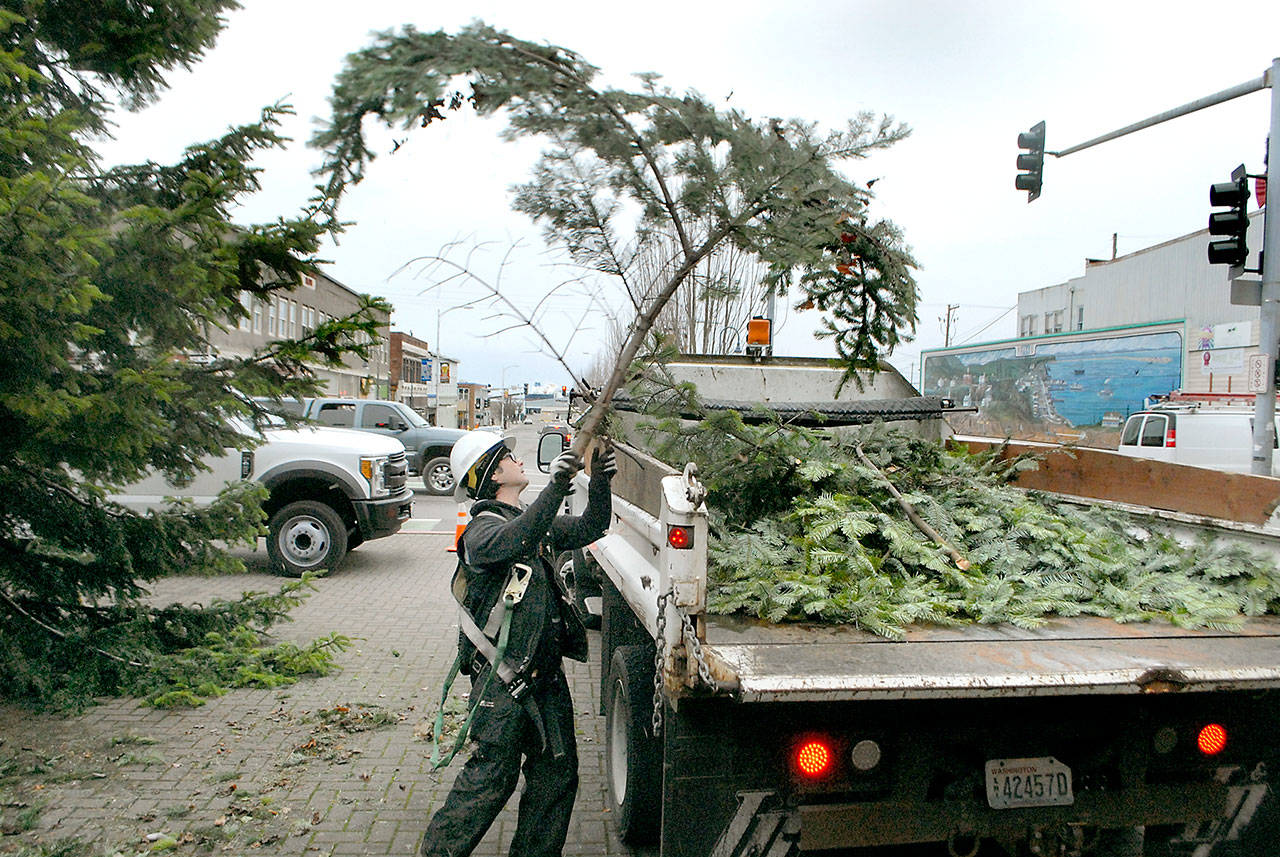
988	324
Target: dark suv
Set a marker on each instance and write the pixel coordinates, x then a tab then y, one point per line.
427	446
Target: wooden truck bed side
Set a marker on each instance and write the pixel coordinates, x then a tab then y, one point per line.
1103	475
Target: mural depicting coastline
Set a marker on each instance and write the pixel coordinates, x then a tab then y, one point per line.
1077	390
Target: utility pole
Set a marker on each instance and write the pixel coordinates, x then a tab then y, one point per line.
946	336
1269	311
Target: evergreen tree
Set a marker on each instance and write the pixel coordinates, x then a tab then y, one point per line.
625	168
107	279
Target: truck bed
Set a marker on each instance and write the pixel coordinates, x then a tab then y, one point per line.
797	662
1066	656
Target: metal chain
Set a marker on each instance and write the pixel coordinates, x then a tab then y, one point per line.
695	493
695	646
690	635
659	661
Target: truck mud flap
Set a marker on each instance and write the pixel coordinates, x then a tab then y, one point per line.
761	827
1248	826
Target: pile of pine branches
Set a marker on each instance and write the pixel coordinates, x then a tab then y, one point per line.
174	656
880	529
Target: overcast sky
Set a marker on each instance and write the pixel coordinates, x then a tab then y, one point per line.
965	76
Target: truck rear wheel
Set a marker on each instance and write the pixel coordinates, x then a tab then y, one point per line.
633	752
437	476
306	536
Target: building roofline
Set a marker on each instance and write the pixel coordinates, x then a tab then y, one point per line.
1199	232
412	340
955	349
337	282
1095	263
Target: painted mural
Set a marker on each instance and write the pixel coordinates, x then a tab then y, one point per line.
1078	390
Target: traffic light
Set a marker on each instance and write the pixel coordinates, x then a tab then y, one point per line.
1032	161
1234	222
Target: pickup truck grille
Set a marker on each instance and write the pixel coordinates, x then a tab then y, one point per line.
396	472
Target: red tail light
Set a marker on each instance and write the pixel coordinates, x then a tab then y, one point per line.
812	758
1171	438
1212	739
680	538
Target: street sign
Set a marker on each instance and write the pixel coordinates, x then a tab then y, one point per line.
1246	291
1258	373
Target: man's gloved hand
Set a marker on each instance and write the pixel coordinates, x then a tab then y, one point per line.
564	467
604	463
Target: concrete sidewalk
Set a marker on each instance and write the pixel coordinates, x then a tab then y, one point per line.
329	766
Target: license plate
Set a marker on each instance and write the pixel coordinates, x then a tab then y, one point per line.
1040	781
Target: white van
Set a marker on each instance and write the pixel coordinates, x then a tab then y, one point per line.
1220	438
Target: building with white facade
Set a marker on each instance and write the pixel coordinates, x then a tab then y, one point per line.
1094	349
1172	281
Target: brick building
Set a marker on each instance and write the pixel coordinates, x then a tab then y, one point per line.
415	381
294	314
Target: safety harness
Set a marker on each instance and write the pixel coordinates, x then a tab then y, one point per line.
491	642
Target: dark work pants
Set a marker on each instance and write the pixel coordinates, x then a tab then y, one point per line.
503	732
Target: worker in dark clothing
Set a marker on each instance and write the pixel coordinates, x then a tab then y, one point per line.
524	711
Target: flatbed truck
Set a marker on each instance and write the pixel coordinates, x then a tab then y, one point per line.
731	736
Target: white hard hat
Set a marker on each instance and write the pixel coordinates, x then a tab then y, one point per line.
472	461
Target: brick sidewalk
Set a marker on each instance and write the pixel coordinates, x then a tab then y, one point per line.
329	766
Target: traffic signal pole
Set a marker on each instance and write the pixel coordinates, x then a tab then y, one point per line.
1264	409
1269	318
1199	104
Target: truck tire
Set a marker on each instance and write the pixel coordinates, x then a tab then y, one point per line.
633	752
437	476
306	536
568	567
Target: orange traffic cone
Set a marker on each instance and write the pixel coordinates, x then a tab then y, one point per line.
464	518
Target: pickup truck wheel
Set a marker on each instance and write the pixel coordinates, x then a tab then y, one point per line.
633	752
437	476
306	536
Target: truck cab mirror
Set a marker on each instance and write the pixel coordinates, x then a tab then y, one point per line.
550	445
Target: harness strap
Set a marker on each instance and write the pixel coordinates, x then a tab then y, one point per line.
531	708
499	652
495	655
499	625
517	583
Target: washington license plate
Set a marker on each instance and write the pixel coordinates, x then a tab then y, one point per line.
1039	781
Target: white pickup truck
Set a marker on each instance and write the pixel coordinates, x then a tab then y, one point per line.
330	490
1082	737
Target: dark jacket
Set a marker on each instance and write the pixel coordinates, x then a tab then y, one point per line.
544	626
